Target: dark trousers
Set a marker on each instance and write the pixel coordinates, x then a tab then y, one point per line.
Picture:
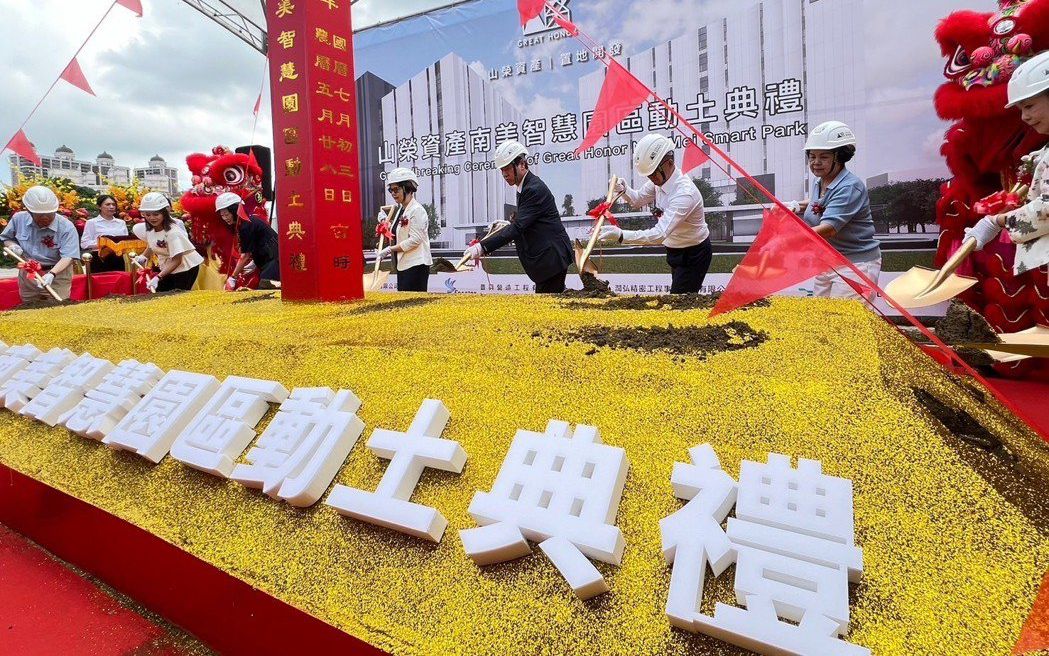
184	280
414	279
554	285
688	267
270	271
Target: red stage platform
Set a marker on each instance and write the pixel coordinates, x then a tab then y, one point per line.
102	284
47	608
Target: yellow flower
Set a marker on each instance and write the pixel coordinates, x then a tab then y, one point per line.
951	566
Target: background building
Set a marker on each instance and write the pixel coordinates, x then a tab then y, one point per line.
371	89
63	164
427	124
158	176
783	61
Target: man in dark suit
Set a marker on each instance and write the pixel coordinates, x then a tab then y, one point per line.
541	239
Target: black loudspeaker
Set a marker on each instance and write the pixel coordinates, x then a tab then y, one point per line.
265	160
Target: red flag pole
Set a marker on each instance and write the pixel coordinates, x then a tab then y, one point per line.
62	73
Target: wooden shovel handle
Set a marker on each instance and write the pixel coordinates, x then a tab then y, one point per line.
600	223
20	260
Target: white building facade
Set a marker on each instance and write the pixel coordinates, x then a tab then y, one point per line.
755	81
428	125
99	174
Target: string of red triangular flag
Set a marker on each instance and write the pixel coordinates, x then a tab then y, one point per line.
74	75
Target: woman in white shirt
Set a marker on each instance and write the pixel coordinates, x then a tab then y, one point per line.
179	260
413	233
106	224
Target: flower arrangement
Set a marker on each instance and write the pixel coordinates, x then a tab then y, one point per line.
832	382
69	200
127	198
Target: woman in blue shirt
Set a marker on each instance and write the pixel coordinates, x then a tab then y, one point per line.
838	209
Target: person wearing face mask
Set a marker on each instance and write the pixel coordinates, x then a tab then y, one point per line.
40	235
413	233
1028	225
838	209
256	239
179	260
537	232
681	228
106	224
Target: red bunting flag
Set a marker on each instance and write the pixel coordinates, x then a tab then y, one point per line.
21	146
785	253
621	94
258	105
133	5
1035	633
694	157
530	9
568	25
75	76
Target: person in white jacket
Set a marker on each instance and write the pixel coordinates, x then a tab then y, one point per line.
678	205
413	233
1028	225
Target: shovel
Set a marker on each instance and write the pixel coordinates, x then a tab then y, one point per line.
20	260
375	280
581	259
441	265
1030	343
922	287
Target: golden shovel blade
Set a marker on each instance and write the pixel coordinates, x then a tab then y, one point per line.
911	290
374	281
1036	339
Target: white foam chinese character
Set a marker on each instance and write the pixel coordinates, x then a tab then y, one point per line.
791	540
103	406
215	438
409	453
15	358
27	382
299	453
152	425
67	389
562	490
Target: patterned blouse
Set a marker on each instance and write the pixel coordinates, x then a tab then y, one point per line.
1028	225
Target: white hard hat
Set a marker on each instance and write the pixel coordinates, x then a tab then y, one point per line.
650	151
830	135
154	201
226	200
508	152
401	175
40	200
1030	79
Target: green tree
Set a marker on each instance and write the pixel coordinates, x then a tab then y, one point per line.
568	207
911	203
435	221
711	197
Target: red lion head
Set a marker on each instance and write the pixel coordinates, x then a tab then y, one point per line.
220	172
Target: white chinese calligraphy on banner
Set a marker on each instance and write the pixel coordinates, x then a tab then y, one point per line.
28	381
101	407
67	389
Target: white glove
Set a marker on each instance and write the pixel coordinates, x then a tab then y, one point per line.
385	253
620	186
473	252
15	249
984	232
231	283
611	233
45	280
141	261
152	283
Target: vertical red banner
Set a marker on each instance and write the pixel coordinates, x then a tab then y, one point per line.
315	149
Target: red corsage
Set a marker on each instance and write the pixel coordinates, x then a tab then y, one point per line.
997	203
162	243
49	242
818	209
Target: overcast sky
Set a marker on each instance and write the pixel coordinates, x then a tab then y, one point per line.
170	83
